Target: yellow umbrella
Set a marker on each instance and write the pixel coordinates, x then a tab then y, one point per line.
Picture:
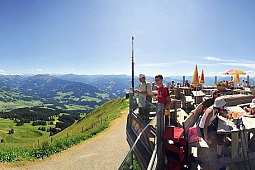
234	71
236	78
202	78
194	81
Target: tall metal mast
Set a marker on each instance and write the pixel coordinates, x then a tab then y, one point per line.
133	83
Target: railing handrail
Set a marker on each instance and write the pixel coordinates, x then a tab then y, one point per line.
155	155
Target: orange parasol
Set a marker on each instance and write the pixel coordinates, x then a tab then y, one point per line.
194	80
234	71
202	78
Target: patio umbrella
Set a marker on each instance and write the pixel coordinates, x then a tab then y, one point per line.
194	81
234	71
236	78
202	78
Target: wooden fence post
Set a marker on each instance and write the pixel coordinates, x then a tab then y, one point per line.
160	129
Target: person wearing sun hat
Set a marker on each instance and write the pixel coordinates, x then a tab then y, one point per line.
145	96
209	122
206	104
250	112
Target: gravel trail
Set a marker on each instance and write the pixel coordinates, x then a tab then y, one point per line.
106	151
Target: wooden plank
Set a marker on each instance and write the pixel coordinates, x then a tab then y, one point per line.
244	144
233	166
234	145
242	165
252	162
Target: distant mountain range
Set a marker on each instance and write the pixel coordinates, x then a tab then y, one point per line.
70	90
51	91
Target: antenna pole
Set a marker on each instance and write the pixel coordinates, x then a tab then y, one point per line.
133	83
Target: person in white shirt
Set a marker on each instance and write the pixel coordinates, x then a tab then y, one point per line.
145	97
207	123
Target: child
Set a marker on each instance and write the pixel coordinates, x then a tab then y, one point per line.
250	112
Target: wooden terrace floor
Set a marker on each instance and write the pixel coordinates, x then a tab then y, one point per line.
207	159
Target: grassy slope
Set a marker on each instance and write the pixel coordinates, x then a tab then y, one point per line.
97	120
101	116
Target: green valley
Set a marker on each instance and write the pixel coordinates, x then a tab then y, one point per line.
28	143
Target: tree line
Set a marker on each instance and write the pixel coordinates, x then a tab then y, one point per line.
42	117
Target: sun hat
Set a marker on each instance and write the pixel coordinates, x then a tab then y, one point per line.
252	105
141	76
219	102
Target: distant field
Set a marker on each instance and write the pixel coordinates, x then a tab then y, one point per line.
23	135
5	106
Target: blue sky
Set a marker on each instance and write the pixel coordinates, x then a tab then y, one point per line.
94	36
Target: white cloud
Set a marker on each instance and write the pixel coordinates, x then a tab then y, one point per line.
212	58
249	71
247	65
2	72
38	69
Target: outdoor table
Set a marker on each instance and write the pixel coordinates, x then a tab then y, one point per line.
209	91
186	90
226	126
240	91
198	95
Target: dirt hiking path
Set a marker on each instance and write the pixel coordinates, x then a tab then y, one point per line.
106	151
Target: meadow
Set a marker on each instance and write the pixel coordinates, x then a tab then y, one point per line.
28	143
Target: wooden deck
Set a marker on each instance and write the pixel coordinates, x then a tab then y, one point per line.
206	157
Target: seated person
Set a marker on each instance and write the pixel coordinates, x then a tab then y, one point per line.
207	103
186	84
207	123
250	112
230	85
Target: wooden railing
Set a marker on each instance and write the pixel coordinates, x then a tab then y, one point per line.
145	140
144	147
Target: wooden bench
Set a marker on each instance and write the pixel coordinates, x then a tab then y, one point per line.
234	100
191	121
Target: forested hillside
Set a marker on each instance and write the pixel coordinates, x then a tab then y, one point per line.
49	91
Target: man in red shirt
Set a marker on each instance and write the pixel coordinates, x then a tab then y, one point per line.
163	95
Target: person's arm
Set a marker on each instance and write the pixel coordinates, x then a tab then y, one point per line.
246	109
223	113
249	115
197	108
149	90
137	91
168	104
208	117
